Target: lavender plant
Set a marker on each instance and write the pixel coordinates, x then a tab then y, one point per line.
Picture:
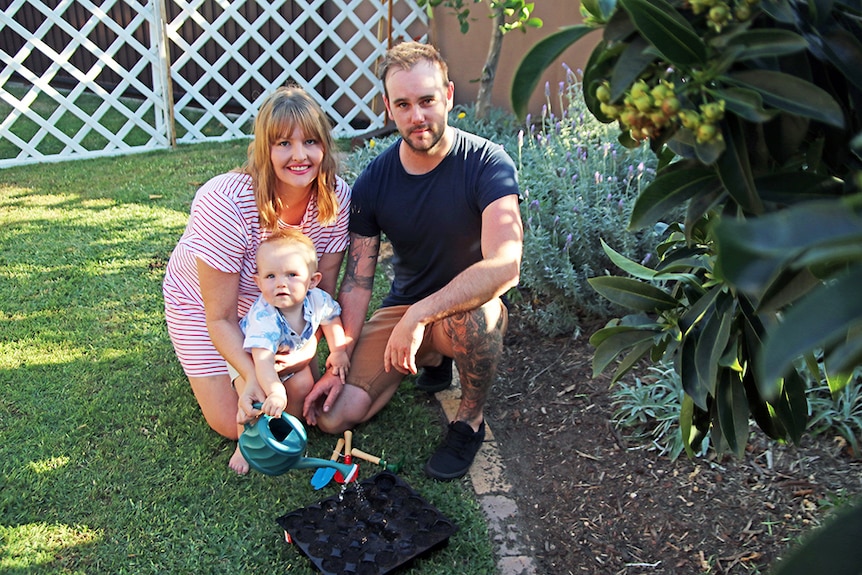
579	187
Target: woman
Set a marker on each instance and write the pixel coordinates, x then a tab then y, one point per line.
288	181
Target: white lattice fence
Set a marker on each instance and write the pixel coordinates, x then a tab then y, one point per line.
198	69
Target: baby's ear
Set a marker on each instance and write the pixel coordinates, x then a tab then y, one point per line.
315	279
256	279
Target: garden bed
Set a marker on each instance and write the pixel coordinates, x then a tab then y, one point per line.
592	501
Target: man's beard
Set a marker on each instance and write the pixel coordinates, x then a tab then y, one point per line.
436	136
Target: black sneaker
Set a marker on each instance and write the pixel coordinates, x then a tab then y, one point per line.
455	455
434	379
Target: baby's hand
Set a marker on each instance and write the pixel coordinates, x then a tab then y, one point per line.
275	404
339	364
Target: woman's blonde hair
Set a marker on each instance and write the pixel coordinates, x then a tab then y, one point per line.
284	110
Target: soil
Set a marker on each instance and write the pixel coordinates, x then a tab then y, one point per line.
592	500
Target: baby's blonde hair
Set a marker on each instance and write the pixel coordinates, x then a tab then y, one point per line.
293	238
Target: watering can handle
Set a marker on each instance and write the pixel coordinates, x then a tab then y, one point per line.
294	423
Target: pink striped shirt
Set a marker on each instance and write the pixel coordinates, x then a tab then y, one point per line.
224	231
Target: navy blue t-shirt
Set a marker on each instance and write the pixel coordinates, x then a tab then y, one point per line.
433	220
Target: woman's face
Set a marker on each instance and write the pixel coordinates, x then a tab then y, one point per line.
296	160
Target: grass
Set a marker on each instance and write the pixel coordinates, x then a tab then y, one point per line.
106	464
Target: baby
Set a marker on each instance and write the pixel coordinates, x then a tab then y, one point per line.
285	318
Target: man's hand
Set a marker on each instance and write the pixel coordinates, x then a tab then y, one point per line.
402	346
321	397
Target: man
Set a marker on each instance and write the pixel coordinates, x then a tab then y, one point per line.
448	203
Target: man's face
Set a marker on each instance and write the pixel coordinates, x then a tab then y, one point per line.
418	101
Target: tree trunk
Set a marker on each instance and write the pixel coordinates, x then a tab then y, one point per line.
489	70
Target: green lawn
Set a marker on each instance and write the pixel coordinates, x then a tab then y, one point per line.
106	465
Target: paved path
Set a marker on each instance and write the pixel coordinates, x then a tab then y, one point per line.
494	495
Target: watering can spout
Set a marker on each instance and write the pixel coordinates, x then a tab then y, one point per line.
347	470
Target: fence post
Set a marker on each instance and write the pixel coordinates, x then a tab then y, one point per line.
162	83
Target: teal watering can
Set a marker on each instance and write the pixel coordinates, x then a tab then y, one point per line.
274	446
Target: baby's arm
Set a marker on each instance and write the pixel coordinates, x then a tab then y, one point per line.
338	361
276	394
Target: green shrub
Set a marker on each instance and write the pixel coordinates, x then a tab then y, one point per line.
579	187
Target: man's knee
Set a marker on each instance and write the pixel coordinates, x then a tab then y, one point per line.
349	410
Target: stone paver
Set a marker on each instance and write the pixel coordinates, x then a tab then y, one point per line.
493	493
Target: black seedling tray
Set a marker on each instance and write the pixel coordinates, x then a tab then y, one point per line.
369	529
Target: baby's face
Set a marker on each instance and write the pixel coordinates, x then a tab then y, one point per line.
283	275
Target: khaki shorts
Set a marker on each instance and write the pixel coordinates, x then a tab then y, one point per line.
366	363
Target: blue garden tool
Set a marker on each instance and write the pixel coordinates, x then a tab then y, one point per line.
274	446
323	475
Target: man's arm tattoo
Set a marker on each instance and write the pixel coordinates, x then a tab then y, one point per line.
361	250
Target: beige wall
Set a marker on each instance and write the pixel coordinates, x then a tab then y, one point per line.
466	53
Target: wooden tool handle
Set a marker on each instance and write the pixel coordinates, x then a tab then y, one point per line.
348	444
337	451
365	456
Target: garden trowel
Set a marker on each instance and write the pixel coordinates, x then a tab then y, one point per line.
324	475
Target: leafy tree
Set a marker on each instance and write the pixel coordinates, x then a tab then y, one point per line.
508	15
754	108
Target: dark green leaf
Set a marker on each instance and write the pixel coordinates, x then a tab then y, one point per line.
732	410
735	171
698	310
833	548
626	265
698	388
668	191
760	410
842	361
844	51
791	406
779	10
762	43
663	27
713	338
632	62
600	10
612	346
686	413
821	317
750	254
537	60
637	353
790	94
747	104
633	294
789	286
794	187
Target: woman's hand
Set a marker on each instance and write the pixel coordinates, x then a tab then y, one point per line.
250	394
